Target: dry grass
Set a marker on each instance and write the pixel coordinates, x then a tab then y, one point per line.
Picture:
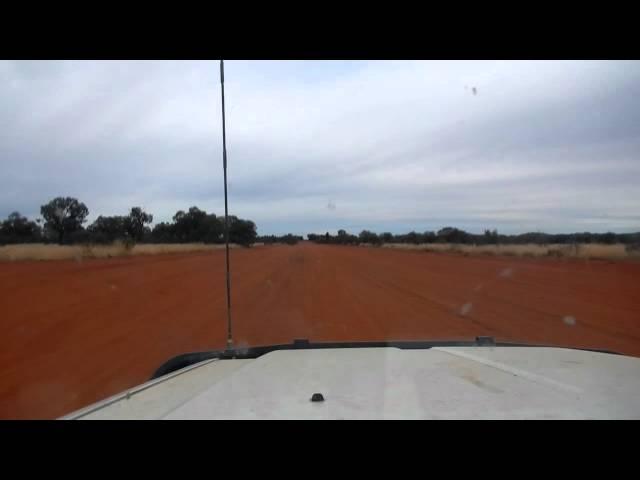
39	251
595	251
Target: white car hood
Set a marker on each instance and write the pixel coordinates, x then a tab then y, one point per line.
389	383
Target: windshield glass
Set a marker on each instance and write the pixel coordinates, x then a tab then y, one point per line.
367	201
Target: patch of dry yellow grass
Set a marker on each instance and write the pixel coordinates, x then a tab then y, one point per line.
593	250
40	251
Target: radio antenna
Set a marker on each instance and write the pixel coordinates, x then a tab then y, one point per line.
226	211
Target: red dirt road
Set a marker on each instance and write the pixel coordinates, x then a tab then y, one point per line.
72	333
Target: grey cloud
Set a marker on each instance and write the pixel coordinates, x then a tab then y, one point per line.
397	145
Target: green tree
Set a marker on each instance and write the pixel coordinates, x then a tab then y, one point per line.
491	237
107	229
368	237
18	229
135	223
64	215
190	226
242	232
164	232
212	229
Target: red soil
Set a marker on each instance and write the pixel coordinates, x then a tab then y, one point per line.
72	333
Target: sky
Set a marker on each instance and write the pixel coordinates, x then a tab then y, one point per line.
316	146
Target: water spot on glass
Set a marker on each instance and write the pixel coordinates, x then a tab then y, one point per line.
242	347
506	272
569	320
465	309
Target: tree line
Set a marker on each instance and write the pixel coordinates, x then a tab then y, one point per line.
63	220
289	239
455	235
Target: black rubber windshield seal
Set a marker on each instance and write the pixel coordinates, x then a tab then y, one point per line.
188	359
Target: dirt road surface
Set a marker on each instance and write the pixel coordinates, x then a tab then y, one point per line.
72	333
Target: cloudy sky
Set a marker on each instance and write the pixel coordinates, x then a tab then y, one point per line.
318	146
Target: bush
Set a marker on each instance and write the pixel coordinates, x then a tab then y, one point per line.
369	237
633	248
18	229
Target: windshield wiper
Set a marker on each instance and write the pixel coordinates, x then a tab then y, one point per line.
187	359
